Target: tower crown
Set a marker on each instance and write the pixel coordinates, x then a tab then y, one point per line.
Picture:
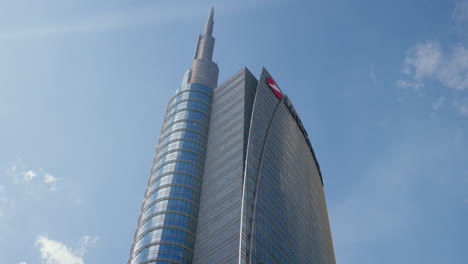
205	45
204	70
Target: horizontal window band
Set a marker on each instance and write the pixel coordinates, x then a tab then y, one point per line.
176	162
210	96
182	141
144	210
190	217
188	187
183	247
172	172
156	228
184	121
188	110
163	137
188	101
177	150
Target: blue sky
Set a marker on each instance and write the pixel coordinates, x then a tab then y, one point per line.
381	87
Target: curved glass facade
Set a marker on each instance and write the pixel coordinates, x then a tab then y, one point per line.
167	223
290	221
284	214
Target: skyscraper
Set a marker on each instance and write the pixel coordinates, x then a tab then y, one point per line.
234	178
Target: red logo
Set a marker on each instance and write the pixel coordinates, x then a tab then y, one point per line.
274	87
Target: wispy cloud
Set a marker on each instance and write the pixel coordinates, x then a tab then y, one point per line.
86	243
454	70
49	180
110	19
134	15
23	174
426	61
413	85
55	252
422	60
28	176
430	62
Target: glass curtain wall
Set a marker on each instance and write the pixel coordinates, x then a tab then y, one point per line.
167	224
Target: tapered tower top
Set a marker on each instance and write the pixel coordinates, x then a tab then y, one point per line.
204	70
211	13
209	24
206	41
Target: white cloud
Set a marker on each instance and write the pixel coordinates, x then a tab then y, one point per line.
23	262
430	62
453	72
422	60
28	175
55	252
50	180
426	61
22	174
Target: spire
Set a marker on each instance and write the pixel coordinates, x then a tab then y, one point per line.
211	13
209	23
204	70
206	41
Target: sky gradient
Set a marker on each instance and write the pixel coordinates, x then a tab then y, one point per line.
381	87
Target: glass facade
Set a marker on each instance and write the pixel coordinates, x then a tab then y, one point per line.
264	107
290	223
167	224
284	216
168	219
234	178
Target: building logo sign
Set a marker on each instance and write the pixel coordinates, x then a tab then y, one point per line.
274	87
